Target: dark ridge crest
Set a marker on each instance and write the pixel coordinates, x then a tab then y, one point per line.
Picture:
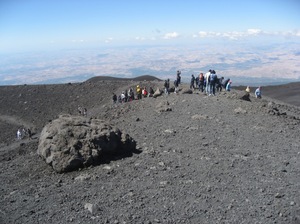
111	78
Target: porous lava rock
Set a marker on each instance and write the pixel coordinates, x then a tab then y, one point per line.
71	142
157	93
187	91
244	96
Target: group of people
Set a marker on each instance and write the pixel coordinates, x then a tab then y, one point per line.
128	95
257	92
82	111
23	132
210	82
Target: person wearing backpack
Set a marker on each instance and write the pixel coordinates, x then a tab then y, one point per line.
192	85
212	83
207	79
201	82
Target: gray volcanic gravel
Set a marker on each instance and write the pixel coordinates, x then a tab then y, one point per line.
202	159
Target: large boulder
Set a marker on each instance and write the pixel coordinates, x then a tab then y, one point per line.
158	92
71	142
244	96
186	91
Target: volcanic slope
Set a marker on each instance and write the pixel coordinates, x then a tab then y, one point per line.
204	159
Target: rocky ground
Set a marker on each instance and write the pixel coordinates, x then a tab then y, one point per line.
202	159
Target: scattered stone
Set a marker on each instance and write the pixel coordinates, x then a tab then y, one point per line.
292	203
278	195
91	207
239	110
163	183
200	117
163	107
83	177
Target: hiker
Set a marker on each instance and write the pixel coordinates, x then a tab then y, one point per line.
84	112
201	82
197	82
224	83
138	92
178	78
228	86
247	89
258	93
123	97
151	92
19	134
29	134
192	85
131	94
212	83
126	96
176	86
24	132
207	79
167	86
79	109
115	98
144	92
219	84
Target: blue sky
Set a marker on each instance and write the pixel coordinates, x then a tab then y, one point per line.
56	24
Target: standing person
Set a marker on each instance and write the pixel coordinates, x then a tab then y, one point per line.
201	82
167	86
207	79
84	113
29	134
123	97
145	92
224	83
115	98
178	78
192	85
213	79
219	84
176	86
247	89
19	134
228	86
138	92
258	93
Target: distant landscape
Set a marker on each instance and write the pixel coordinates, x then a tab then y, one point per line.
244	64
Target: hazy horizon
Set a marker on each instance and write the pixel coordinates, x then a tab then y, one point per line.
243	62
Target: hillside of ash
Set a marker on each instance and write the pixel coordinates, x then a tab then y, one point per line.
201	159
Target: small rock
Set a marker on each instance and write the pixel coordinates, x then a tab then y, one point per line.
278	195
91	207
163	183
83	177
292	203
161	163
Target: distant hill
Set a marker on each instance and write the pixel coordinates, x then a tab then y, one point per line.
110	78
288	93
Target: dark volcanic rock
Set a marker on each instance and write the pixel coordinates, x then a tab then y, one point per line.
71	142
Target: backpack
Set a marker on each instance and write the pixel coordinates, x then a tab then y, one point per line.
201	78
213	77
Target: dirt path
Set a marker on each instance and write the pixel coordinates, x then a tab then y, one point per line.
15	120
